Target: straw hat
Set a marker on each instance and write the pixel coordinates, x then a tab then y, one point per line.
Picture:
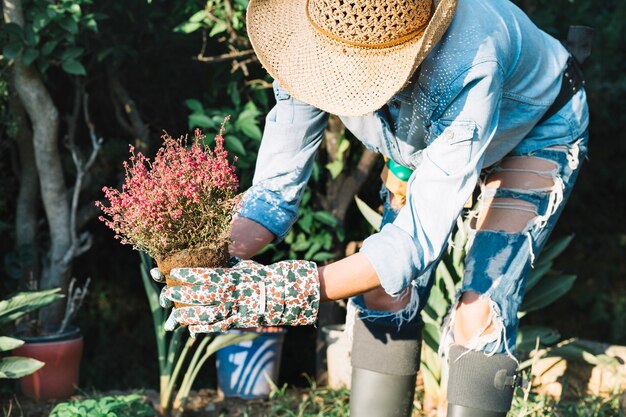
347	57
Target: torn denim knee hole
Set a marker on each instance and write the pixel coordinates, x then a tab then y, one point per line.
356	307
481	341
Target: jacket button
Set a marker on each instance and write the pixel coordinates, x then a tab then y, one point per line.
449	134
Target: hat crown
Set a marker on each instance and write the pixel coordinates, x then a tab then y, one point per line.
370	23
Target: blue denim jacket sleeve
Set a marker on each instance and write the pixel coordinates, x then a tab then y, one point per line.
292	134
445	176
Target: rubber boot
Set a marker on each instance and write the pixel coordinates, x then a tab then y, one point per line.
385	361
480	385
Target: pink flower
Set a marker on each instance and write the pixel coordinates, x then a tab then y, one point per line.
184	198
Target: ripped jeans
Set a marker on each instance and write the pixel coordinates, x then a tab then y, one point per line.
499	259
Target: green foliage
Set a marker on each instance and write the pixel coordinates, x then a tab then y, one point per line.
312	237
10	310
51	35
133	405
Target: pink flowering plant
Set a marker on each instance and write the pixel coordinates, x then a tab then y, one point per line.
183	199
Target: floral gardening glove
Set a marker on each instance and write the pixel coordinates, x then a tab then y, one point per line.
246	295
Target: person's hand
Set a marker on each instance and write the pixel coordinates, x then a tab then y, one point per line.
246	295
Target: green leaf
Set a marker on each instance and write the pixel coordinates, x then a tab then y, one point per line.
335	168
188	27
577	352
30	55
199	16
11	50
194	105
68	24
547	291
200	120
306	222
554	249
9	343
218	28
48	47
372	217
40	20
25	302
15	30
527	337
325	218
535	275
73	67
234	144
323	256
430	334
72	53
16	367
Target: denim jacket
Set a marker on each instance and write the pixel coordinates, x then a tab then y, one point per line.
476	97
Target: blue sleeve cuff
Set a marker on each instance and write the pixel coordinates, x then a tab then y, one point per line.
265	208
395	256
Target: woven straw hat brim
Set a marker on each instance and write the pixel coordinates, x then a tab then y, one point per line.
333	76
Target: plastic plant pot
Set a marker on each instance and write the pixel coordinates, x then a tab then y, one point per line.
61	354
250	368
338	350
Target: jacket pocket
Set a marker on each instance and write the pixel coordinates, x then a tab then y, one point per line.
450	144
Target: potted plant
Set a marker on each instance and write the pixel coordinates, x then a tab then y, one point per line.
12	309
178	207
61	350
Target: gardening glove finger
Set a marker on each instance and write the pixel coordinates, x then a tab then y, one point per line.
187	316
163	300
217	327
157	275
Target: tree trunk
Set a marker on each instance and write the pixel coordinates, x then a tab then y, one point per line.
27	198
44	117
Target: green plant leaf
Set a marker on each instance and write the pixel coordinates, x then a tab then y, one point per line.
577	352
199	16
218	28
200	120
325	218
234	144
25	302
73	67
194	105
30	55
72	53
323	256
11	50
535	275
48	47
547	291
188	27
372	217
554	249
430	334
16	367
527	337
9	343
68	24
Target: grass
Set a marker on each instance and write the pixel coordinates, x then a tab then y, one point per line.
324	402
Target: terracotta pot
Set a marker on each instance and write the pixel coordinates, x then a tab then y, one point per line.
59	376
209	257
